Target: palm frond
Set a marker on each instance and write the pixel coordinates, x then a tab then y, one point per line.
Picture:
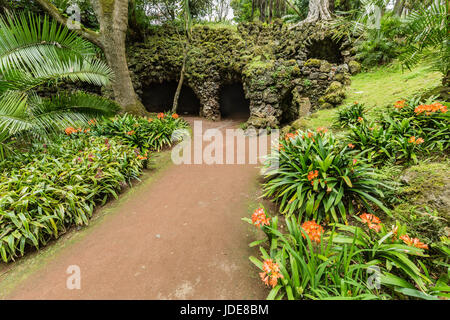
427	30
79	101
27	40
90	70
13	112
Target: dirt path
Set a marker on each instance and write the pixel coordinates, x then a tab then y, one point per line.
179	238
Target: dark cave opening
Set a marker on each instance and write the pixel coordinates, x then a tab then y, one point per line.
158	97
233	104
326	49
286	106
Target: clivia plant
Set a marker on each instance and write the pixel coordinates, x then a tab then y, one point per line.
320	179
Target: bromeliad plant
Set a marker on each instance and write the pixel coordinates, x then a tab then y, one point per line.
144	133
42	196
319	179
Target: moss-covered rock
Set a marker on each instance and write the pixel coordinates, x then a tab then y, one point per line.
300	124
354	66
428	184
269	60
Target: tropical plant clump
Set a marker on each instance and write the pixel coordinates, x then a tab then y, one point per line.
145	133
366	261
321	179
40	197
38	51
350	115
411	128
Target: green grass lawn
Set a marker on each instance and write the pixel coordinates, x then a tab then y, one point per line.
381	87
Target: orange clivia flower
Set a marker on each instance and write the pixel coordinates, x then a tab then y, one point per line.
271	273
130	133
372	221
310	134
289	136
280	147
150	119
313	230
70	130
430	108
360	119
175	116
160	115
400	104
416	141
414	242
313	174
322	130
351	146
259	218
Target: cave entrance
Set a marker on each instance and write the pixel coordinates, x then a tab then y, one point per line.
233	104
158	97
326	49
288	114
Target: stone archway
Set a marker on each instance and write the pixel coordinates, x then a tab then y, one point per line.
325	49
158	97
233	103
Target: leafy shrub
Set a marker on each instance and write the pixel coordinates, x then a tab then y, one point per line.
41	196
143	133
36	51
382	45
318	178
350	115
309	262
409	129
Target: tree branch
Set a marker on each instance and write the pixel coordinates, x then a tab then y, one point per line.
53	11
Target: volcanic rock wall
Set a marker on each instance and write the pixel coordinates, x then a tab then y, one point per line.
285	73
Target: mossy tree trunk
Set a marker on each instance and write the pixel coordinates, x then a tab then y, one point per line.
112	16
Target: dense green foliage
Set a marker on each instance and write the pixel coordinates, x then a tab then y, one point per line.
318	178
52	186
346	262
35	51
144	133
58	185
350	115
427	38
411	128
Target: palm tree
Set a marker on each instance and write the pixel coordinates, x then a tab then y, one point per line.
35	51
427	30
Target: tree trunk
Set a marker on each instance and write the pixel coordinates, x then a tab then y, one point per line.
331	6
318	10
180	84
270	10
112	16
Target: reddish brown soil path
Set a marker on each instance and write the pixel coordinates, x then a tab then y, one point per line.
180	238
